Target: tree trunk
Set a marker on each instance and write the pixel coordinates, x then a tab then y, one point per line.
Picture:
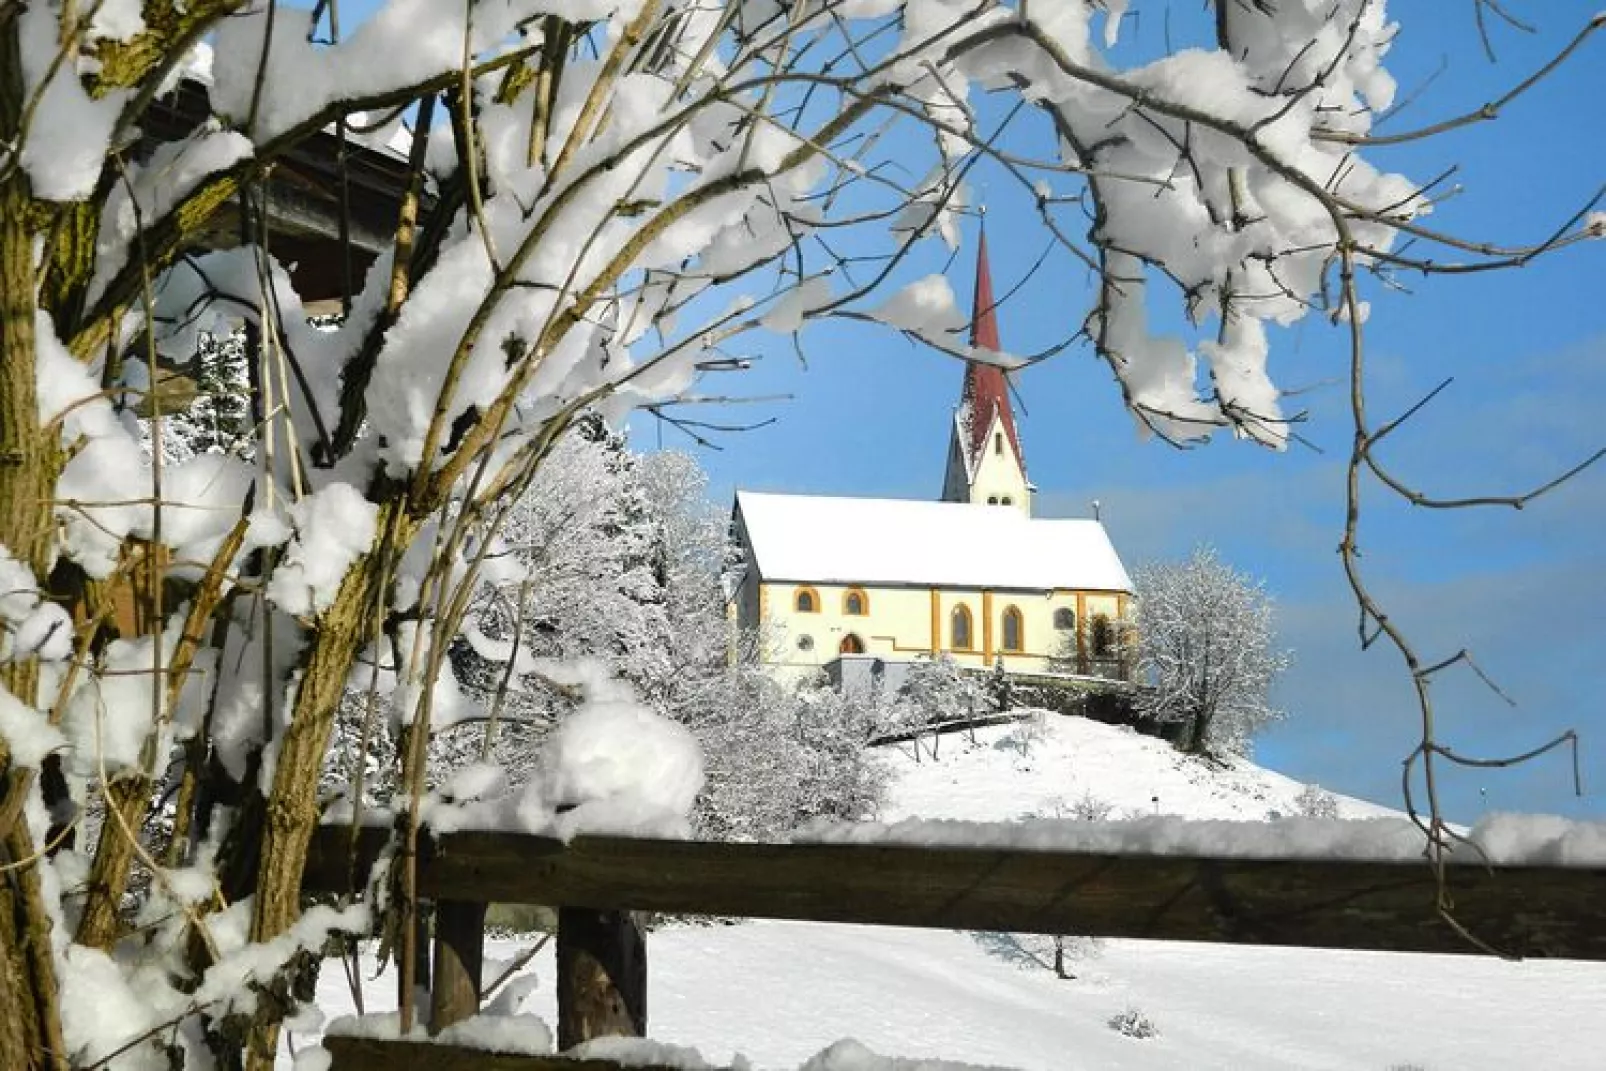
30	1023
291	811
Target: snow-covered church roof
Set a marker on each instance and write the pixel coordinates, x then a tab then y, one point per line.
889	541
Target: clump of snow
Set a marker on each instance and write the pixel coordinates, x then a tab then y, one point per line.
402	43
925	307
312	1058
101	1010
526	1035
615	766
29	627
69	131
148	192
27	733
334	527
201	499
46	634
372	1025
102	490
644	1052
788	314
228	980
477	780
112	713
267	529
1114	11
116	20
850	1055
1540	840
195	66
19	591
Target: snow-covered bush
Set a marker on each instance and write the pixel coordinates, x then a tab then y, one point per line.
1025	734
1206	652
1133	1023
1314	801
936	694
1086	808
598	201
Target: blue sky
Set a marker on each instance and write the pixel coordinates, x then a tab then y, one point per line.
869	415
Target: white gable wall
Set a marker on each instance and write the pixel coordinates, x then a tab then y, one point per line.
999	479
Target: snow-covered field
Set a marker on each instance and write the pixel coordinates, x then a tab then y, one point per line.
778	993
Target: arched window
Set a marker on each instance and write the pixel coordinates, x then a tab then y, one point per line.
959	628
1014	629
992	500
998	442
855	603
1103	639
1065	620
807	601
1006	500
851	644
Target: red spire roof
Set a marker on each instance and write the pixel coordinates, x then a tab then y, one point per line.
986	390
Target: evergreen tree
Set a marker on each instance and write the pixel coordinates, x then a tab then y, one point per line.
219	420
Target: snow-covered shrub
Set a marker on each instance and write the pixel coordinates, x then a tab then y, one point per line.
940	690
936	695
1133	1023
1025	734
1206	652
1314	801
1086	808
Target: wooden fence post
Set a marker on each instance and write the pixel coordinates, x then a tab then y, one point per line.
459	958
602	976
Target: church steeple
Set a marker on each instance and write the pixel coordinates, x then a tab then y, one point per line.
986	464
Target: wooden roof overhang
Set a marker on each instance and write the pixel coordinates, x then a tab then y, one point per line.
304	200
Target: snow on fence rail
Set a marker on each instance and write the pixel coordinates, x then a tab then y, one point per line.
1544	902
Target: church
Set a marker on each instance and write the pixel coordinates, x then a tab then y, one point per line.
864	586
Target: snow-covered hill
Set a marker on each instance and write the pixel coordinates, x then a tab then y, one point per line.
778	993
1052	763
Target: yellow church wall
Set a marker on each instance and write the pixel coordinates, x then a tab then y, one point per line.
905	623
897	624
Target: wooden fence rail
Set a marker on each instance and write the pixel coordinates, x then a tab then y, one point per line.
392	1054
598	882
1385	906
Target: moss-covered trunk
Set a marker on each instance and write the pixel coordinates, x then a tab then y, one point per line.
291	813
30	1024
